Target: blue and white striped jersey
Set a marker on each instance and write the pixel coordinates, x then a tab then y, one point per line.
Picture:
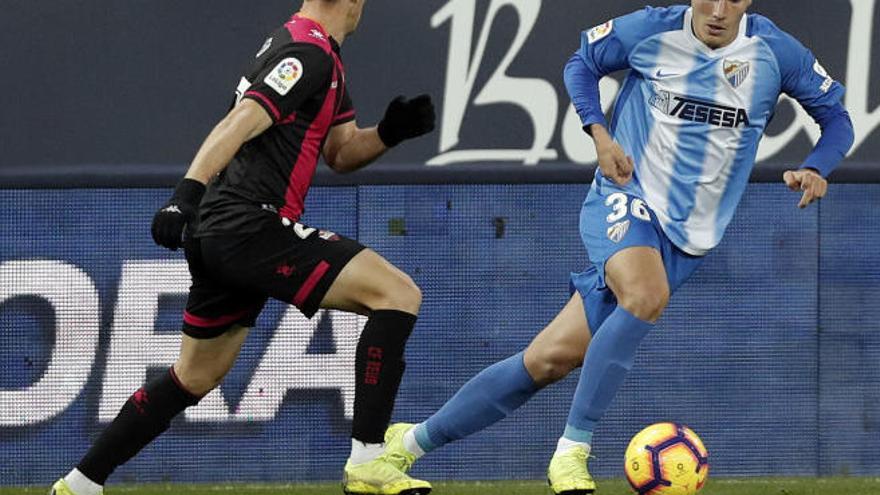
692	117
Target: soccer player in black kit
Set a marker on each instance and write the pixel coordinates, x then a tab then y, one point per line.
243	244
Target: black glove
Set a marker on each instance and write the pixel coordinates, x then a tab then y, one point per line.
406	119
180	210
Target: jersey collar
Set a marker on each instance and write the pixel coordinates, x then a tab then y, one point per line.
720	52
315	25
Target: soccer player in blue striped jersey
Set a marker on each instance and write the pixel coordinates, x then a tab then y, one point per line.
703	83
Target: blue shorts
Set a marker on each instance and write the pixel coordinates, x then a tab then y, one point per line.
614	219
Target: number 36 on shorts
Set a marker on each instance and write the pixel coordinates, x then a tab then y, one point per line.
620	203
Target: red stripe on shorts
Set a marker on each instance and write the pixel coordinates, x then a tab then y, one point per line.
309	285
198	321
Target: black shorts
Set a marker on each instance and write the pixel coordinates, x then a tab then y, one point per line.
234	276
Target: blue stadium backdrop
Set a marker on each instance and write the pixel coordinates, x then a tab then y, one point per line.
770	353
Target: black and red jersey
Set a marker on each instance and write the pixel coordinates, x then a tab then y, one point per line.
299	79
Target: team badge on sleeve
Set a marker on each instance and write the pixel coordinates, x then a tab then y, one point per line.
600	31
828	82
285	75
736	72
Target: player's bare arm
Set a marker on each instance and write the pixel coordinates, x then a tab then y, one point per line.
349	148
244	122
613	161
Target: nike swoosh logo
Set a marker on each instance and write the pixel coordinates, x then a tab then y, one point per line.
661	75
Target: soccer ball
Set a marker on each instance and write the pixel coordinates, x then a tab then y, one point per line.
666	459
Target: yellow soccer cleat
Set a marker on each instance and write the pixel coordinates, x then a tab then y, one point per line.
60	488
395	452
380	477
568	475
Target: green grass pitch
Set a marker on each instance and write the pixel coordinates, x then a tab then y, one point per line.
722	486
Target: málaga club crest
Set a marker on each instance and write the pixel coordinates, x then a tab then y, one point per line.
736	72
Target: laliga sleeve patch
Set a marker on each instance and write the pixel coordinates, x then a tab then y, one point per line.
600	31
285	75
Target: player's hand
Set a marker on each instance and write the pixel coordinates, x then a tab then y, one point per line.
181	210
613	161
406	119
807	180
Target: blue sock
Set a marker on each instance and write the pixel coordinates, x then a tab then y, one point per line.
609	357
484	400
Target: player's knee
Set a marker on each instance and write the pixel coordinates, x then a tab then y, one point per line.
546	372
646	302
411	295
549	364
403	295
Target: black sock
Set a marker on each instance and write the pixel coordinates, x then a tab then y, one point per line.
145	415
378	371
